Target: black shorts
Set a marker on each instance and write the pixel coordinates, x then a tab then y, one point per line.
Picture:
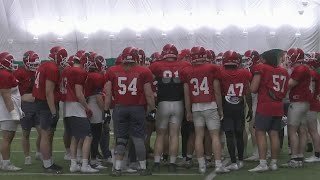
31	118
79	127
67	127
267	123
44	114
129	121
234	116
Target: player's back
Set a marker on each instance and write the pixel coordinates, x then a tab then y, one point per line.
234	82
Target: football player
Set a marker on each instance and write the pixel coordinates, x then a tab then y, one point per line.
271	82
249	60
300	96
187	128
26	76
93	92
46	93
130	84
67	133
170	103
313	63
203	104
235	84
10	108
77	112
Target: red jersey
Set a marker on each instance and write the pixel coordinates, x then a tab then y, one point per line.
167	73
69	78
94	84
301	92
128	85
272	89
7	80
234	84
47	71
200	79
314	88
25	80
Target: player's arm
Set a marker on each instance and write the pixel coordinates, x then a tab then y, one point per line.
80	96
149	96
255	83
50	86
217	94
6	95
108	97
292	83
249	103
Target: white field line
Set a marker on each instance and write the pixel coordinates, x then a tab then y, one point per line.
102	174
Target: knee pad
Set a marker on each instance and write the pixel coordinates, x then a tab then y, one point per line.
121	144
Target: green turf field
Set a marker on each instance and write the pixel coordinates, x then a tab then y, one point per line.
310	172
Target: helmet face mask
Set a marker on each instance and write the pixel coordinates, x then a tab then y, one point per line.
31	60
59	55
294	56
7	62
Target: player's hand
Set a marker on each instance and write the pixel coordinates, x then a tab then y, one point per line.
107	116
54	121
89	113
220	111
14	115
151	117
249	115
189	117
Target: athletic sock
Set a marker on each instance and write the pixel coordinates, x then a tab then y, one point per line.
157	159
5	163
118	165
273	161
143	164
85	162
47	163
73	162
263	162
173	159
201	161
218	163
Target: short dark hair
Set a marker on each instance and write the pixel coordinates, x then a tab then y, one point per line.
272	57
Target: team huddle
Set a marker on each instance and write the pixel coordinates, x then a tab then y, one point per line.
207	98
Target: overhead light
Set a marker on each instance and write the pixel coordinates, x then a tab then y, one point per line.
245	33
164	35
138	35
10	41
272	33
35	38
218	33
60	38
298	34
111	36
305	2
86	36
301	11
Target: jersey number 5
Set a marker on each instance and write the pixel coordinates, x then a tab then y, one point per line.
123	87
279	82
203	86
